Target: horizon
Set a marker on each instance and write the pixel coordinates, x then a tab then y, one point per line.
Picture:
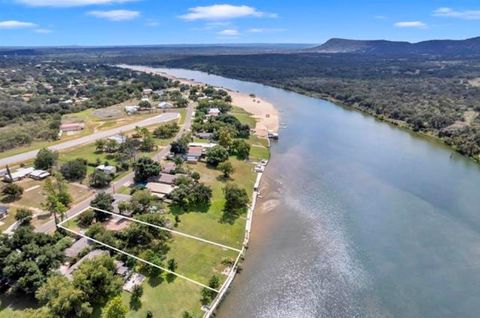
113	23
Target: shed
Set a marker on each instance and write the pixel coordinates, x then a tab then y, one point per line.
39	174
168	167
18	174
165	105
107	169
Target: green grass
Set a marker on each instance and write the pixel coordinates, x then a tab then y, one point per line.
167	299
243	116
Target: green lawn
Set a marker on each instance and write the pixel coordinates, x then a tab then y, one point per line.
167	299
243	116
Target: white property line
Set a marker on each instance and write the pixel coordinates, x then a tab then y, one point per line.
170	230
139	259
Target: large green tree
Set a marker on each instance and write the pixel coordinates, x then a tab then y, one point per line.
45	159
145	168
115	309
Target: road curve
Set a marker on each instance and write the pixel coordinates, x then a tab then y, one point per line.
162	118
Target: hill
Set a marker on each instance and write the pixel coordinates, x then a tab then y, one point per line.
432	47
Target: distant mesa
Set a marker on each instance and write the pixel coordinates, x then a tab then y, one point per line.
431	47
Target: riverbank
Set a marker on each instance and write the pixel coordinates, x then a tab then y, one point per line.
264	112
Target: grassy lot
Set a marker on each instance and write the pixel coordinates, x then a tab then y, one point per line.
243	116
13	306
167	299
208	224
198	260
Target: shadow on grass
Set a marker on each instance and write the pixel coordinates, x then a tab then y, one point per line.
17	302
231	216
135	303
154	281
179	210
170	278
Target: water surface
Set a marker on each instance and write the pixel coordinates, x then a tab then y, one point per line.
371	221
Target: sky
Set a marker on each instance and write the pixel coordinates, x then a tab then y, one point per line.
150	22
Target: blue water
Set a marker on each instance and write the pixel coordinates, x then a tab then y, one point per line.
368	220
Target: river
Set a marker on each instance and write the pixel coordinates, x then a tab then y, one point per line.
365	219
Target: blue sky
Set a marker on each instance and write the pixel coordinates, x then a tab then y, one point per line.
132	22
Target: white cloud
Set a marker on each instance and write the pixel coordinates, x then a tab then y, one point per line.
68	3
229	32
265	30
13	24
223	12
411	24
450	13
152	23
116	15
43	31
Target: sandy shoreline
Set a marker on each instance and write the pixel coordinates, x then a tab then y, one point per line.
264	112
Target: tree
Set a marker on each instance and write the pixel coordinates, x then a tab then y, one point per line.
145	104
45	159
23	216
226	168
172	265
166	131
195	176
115	309
224	137
241	149
74	170
208	294
12	191
63	299
100	145
97	279
100	179
145	168
102	201
236	200
58	199
180	146
137	292
216	154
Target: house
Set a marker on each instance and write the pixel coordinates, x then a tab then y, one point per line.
168	167
159	189
3	212
18	175
131	109
213	112
194	153
204	145
39	174
135	280
91	255
72	127
204	135
164	178
165	105
107	169
119	139
77	247
121	269
147	91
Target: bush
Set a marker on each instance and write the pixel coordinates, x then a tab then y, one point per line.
100	179
74	170
12	191
86	218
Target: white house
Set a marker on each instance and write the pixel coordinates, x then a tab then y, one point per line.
165	105
213	112
107	169
18	175
147	91
131	109
119	139
39	174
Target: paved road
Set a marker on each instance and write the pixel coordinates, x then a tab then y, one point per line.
125	180
165	117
